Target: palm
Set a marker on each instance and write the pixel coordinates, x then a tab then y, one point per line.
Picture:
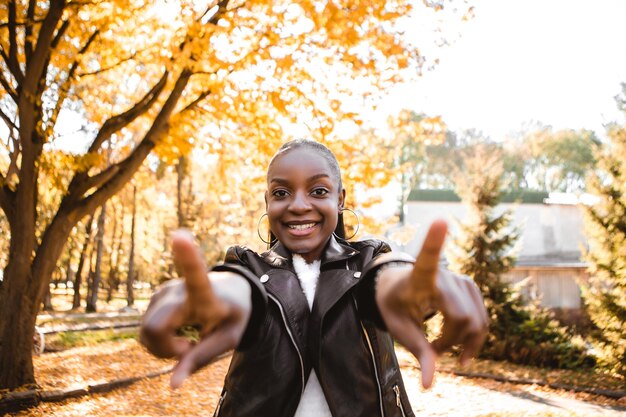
221	310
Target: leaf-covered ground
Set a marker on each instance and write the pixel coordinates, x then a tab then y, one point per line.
586	378
451	396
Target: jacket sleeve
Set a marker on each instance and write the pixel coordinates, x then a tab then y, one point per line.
234	261
366	289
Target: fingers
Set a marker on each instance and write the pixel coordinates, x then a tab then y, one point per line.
165	314
424	273
405	331
203	352
465	320
476	338
191	266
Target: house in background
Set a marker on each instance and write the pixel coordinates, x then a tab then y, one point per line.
549	252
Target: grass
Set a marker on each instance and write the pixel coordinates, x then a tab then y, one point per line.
68	340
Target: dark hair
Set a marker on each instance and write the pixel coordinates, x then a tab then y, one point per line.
322	150
330	157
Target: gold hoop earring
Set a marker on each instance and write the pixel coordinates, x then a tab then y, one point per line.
258	231
358	222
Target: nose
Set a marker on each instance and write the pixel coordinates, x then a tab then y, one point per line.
300	203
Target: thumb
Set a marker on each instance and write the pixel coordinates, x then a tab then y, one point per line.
190	264
426	265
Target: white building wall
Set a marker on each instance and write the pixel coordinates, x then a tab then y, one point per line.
548	230
548	251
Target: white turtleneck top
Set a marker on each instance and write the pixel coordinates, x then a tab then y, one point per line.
312	403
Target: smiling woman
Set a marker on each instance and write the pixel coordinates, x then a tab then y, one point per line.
312	320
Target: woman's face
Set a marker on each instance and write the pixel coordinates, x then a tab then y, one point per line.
303	202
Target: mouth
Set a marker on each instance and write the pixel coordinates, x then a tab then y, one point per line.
301	229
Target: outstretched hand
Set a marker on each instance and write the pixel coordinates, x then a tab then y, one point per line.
405	296
219	306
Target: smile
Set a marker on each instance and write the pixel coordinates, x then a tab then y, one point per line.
301	226
302	229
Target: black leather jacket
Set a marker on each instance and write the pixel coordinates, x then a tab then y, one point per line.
342	337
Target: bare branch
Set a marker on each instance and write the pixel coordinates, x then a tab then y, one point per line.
6	200
42	51
7	120
207	10
82	51
28	43
5	84
96	180
222	6
194	103
20	24
60	33
30	90
117	122
117	64
13	62
13	169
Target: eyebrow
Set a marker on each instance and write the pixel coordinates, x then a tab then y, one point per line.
310	179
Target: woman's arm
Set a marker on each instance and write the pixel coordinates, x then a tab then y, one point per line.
220	304
406	295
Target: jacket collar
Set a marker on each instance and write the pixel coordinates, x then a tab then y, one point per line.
279	256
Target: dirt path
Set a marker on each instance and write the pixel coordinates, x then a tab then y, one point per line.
455	396
451	396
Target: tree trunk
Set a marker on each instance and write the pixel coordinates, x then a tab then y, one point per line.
21	297
81	264
47	300
69	273
17	328
180	177
130	296
113	277
95	283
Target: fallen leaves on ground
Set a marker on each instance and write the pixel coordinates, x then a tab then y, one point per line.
199	394
588	378
95	364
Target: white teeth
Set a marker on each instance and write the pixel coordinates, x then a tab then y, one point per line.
301	226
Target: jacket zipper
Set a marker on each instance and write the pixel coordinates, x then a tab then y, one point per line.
293	340
380	391
219	404
369	346
396	389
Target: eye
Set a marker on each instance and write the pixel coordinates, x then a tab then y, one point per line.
280	193
319	192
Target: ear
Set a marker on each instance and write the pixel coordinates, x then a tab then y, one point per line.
265	198
342	199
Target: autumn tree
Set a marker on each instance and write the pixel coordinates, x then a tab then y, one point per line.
605	228
139	80
412	134
544	159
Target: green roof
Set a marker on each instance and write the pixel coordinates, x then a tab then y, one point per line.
521	196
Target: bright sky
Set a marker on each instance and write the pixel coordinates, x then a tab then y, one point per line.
560	62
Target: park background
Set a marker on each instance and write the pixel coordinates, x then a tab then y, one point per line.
124	120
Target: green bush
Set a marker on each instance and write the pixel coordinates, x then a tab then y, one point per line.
529	335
